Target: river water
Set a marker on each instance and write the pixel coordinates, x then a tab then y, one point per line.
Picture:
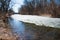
20	28
31	31
17	27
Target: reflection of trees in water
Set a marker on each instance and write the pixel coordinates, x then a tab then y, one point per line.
41	32
17	27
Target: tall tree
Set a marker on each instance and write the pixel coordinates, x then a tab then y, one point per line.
4	7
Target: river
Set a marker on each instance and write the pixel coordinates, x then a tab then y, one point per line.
28	31
20	29
17	27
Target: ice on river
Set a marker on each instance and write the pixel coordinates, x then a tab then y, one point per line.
38	20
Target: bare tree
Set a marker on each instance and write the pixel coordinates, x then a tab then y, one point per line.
4	7
39	7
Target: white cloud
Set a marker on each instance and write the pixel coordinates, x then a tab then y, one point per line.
17	5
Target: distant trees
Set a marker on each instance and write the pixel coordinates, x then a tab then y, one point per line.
54	8
34	6
40	7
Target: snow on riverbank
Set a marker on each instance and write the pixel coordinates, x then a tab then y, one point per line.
38	20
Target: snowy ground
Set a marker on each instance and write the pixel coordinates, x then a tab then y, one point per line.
38	20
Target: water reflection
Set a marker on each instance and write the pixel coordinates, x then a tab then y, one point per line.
17	27
25	32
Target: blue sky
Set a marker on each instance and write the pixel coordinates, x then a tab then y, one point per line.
17	4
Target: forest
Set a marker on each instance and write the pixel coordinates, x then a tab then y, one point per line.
41	7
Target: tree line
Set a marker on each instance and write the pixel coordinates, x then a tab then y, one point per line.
41	7
33	7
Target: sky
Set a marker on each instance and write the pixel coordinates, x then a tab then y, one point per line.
17	4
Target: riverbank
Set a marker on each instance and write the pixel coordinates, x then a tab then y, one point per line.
6	33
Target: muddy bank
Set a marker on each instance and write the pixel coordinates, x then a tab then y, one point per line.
6	33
